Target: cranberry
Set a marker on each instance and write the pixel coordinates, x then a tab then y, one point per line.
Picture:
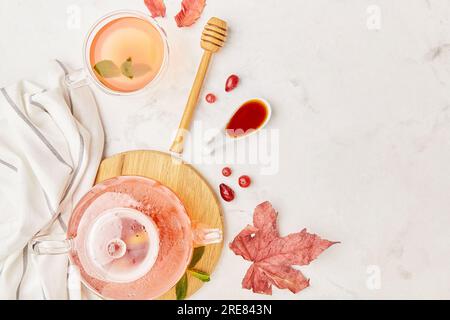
244	181
226	192
231	83
227	171
210	98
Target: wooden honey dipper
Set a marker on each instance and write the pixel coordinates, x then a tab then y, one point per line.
213	38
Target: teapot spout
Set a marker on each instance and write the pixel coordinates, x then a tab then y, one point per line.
204	236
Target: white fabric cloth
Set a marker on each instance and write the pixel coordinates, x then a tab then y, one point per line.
51	143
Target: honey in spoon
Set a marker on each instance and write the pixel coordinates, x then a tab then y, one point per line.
250	117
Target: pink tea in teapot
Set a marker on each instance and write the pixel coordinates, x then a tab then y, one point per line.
133	238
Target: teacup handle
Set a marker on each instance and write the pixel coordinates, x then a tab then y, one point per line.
76	79
50	245
204	236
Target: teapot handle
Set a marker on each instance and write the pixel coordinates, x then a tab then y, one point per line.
204	236
50	245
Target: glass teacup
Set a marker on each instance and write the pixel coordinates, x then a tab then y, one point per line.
125	53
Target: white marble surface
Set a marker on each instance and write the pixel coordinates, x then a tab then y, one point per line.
363	113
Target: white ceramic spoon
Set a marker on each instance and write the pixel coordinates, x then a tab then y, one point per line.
223	138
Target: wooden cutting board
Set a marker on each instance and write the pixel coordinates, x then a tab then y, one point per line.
197	196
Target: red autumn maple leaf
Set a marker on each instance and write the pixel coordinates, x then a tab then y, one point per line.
190	11
272	255
156	7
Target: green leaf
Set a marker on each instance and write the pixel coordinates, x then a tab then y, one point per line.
181	288
203	276
196	256
127	68
107	69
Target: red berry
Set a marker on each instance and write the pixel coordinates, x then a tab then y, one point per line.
231	83
226	192
244	181
210	98
227	171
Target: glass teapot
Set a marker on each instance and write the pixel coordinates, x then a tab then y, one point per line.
131	238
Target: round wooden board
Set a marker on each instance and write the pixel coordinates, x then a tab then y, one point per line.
197	196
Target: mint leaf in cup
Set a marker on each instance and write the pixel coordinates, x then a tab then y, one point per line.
127	68
131	70
107	69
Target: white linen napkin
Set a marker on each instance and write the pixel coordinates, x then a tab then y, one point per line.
51	143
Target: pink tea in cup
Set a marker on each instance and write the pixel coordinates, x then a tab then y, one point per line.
127	53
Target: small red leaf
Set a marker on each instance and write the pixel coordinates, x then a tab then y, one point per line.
156	7
190	12
272	255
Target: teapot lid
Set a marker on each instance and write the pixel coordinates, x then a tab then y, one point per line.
120	245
